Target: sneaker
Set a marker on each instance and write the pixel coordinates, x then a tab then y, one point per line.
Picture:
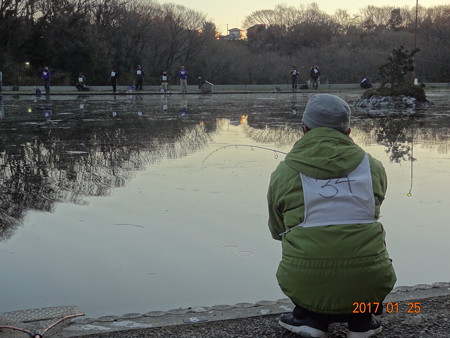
305	327
364	328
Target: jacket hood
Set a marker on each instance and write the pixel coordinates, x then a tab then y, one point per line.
324	153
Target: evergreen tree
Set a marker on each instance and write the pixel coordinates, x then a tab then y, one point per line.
396	70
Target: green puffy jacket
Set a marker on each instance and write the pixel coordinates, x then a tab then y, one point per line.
328	268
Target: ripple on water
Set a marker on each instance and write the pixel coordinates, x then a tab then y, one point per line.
237	250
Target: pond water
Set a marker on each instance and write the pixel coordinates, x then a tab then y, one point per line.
138	203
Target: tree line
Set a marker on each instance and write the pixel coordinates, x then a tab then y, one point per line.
96	36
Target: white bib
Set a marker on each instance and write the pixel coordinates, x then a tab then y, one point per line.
344	200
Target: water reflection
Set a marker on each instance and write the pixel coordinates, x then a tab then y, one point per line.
183	107
396	136
42	164
281	135
2	109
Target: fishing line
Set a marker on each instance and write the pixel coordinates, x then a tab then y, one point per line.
409	194
275	151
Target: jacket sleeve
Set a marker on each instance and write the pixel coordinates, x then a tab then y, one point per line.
276	224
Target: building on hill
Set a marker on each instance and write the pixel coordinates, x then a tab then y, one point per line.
235	34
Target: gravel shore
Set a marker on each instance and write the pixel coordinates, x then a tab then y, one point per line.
430	318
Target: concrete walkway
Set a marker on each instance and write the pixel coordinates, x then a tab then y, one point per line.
86	326
115	325
192	89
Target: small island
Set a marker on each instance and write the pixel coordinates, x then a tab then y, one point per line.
396	94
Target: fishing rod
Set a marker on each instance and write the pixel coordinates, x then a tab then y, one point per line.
275	151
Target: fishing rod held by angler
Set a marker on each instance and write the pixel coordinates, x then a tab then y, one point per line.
275	151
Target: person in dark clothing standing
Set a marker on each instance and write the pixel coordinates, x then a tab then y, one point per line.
314	74
294	75
164	81
113	76
139	77
45	75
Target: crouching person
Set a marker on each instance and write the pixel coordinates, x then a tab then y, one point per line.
366	83
81	83
324	203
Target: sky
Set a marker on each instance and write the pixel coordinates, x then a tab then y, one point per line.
231	13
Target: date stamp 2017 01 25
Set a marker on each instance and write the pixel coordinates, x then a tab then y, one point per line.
391	307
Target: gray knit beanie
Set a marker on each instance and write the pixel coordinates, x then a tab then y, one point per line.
325	110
